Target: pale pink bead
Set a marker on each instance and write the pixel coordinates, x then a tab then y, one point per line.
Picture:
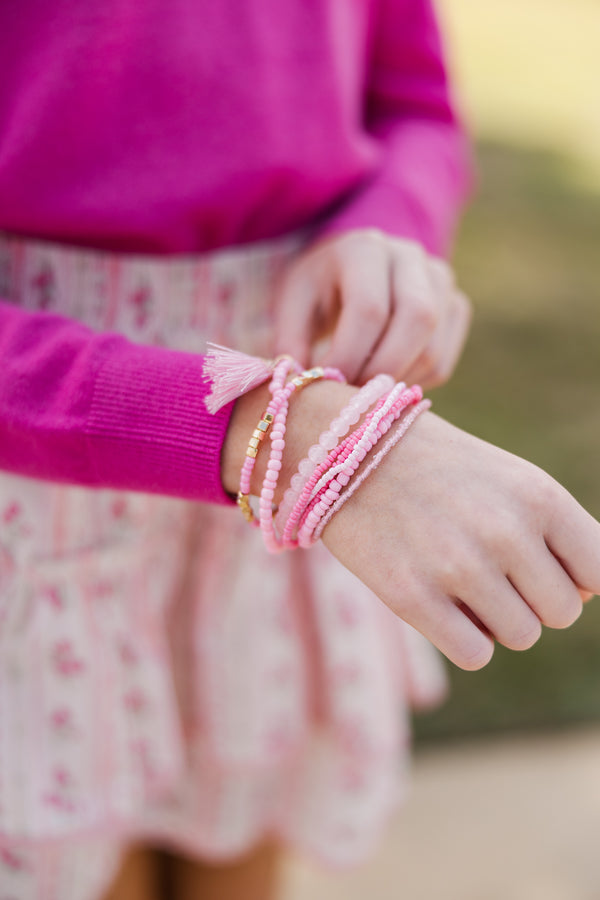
332	495
296	484
268	493
271	476
275	464
328	440
338	427
278	445
343	479
317	454
276	454
305	467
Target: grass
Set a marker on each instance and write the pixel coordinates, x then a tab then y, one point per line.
528	256
530	382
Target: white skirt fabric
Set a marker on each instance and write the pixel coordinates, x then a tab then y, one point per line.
161	676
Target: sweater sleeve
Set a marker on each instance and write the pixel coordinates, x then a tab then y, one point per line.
425	170
95	409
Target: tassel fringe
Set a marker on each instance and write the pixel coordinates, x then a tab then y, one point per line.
232	374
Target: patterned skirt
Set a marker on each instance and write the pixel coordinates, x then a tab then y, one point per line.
161	676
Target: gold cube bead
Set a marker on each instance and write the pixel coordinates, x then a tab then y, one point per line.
259	435
263	425
268	417
251	452
244	504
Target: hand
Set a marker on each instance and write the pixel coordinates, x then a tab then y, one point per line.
386	304
468	543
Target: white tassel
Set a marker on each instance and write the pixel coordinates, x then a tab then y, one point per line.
232	374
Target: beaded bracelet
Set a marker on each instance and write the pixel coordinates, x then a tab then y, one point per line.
328	440
339	476
337	454
330	494
282	368
279	408
399	433
396	396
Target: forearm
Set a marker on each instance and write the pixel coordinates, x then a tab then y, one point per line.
425	169
420	189
94	409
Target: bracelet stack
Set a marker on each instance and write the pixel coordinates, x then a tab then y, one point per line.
335	466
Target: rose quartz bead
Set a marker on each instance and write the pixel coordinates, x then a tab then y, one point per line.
328	440
317	454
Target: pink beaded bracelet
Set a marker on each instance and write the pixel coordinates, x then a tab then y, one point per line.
398	434
328	440
339	476
280	407
282	368
398	397
336	455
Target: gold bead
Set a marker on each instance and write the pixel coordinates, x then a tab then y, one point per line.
251	452
244	504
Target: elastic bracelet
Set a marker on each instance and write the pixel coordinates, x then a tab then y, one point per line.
398	434
337	454
396	397
282	368
328	440
280	407
331	484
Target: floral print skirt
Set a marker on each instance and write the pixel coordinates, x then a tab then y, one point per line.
161	676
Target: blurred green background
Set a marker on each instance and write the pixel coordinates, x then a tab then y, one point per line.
528	255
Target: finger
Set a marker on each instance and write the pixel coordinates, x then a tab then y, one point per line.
549	591
364	288
296	314
438	360
415	314
442	622
502	610
573	536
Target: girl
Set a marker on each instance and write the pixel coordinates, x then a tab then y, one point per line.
260	175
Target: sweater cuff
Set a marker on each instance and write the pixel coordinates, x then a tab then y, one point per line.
148	428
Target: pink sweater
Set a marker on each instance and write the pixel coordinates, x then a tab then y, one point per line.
182	127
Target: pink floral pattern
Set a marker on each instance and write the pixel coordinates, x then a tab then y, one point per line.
153	681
